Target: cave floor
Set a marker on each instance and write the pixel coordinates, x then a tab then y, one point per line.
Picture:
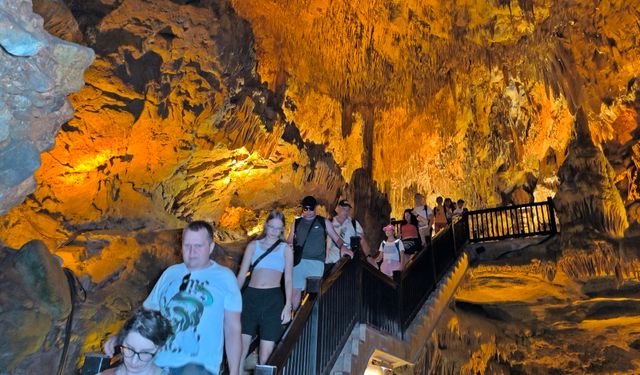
510	318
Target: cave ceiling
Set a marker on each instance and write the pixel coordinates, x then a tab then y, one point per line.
224	109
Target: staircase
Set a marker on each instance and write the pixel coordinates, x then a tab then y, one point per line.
357	310
364	339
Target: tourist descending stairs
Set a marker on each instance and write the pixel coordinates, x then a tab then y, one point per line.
357	309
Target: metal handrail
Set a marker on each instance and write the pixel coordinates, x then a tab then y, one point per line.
404	289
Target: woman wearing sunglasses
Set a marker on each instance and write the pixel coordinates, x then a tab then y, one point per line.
139	340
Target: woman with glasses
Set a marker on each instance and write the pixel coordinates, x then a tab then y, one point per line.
139	340
264	308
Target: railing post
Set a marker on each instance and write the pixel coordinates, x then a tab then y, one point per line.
552	215
434	266
453	238
397	277
313	286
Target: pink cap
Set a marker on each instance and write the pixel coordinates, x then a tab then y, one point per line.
388	227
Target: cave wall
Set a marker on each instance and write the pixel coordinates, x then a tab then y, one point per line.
222	110
37	72
173	124
203	109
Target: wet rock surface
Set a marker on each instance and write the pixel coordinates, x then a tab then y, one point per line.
37	71
508	318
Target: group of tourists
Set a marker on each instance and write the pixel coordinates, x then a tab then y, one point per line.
417	226
198	307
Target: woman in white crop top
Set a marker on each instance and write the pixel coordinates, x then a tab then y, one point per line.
392	252
264	308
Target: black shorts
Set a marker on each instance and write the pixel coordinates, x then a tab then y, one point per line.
411	245
261	309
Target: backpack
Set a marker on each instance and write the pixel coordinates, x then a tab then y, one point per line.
297	248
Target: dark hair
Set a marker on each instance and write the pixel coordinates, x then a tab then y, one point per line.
413	218
198	225
448	203
149	324
275	214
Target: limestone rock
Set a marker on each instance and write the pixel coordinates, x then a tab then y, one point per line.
175	124
34	297
588	202
37	71
508	318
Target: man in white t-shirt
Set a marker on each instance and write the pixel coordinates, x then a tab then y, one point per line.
425	218
346	227
203	302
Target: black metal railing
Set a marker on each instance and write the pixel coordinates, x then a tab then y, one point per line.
321	327
296	353
379	296
356	291
512	221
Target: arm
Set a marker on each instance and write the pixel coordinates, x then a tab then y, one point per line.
336	238
380	253
422	221
246	262
291	233
288	285
365	246
232	340
366	250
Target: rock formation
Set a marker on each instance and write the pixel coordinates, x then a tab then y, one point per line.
507	317
35	300
225	109
37	71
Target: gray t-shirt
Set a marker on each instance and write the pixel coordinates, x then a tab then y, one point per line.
314	247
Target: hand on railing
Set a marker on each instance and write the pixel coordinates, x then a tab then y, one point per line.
345	251
285	316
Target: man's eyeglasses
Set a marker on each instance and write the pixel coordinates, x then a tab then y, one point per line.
185	282
308	208
127	352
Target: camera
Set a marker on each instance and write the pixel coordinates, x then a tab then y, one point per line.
354	243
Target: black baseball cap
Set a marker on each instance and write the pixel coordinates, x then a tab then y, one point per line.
344	203
309	201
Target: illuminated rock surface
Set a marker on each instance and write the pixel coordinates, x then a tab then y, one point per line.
37	71
509	318
223	110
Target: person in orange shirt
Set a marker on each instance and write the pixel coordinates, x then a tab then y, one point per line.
439	216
